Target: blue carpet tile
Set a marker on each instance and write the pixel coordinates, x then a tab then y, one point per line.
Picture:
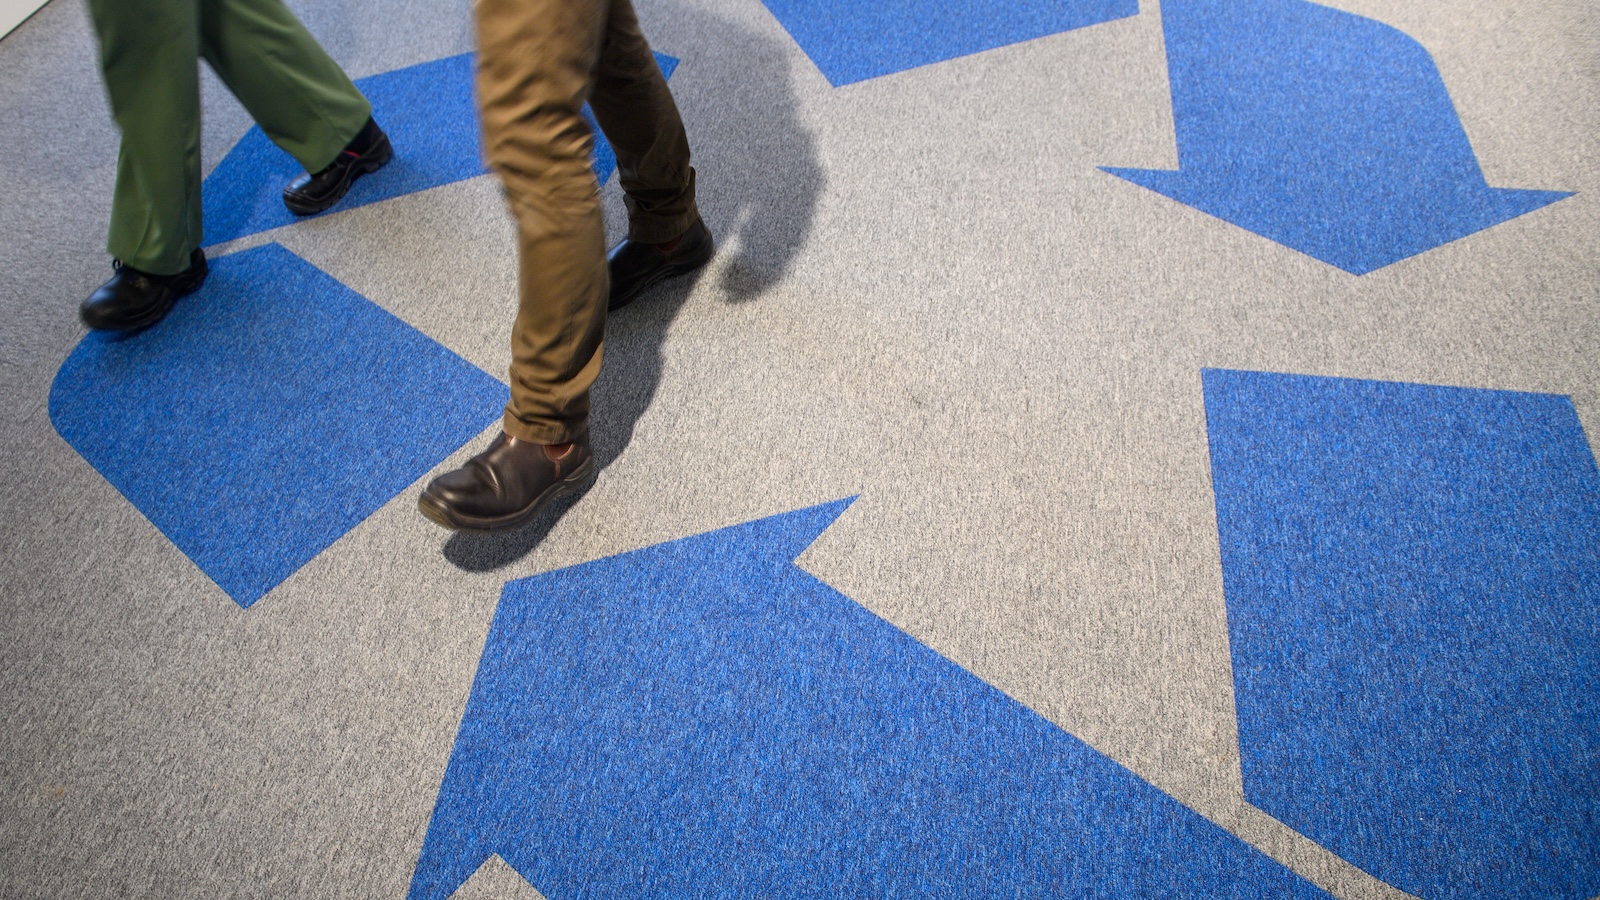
1327	132
1413	585
269	414
852	42
703	718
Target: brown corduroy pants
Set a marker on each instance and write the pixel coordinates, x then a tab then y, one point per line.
538	62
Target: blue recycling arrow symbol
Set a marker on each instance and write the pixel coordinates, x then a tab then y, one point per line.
1322	130
703	718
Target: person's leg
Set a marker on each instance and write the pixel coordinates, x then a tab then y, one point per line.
298	95
148	54
636	111
285	80
641	121
536	62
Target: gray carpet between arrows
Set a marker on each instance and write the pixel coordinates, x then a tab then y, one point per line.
927	295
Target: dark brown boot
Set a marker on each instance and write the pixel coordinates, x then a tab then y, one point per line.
505	485
636	266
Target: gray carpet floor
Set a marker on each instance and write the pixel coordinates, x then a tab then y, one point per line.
926	295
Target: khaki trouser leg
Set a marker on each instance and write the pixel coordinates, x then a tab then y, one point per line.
640	120
538	62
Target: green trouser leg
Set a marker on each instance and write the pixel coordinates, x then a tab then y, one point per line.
148	53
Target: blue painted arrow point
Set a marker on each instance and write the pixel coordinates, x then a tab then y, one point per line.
1327	132
703	718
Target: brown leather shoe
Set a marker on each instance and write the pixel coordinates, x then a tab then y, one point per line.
636	266
504	486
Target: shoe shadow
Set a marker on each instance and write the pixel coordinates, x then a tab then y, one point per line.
759	182
488	552
619	399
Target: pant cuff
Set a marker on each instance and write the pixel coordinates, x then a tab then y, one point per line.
540	432
654	230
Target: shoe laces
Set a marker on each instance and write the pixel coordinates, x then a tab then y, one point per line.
118	267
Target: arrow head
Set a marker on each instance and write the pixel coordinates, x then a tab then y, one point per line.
1358	227
703	718
1325	131
571	650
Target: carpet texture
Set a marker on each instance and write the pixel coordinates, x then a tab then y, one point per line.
1243	545
1324	131
704	713
1414	611
272	412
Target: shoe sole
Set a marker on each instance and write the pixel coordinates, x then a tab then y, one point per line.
154	314
442	515
708	249
370	162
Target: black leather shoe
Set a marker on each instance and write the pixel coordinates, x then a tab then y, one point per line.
636	266
369	151
133	299
504	486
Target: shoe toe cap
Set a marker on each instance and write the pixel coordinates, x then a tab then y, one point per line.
466	490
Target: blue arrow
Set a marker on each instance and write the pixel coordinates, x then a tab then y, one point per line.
851	41
1412	575
1321	130
703	718
249	427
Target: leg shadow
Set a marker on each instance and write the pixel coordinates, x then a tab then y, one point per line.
759	182
760	175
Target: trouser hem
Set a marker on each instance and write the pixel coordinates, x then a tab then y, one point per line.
541	432
660	231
